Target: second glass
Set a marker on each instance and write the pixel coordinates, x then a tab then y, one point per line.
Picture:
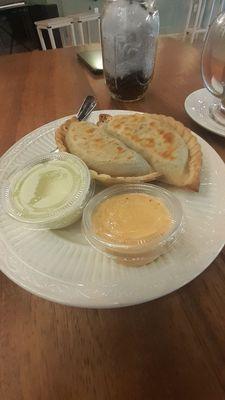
213	67
129	30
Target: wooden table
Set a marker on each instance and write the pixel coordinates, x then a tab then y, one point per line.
171	348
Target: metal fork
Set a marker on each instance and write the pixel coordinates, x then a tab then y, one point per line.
86	108
84	111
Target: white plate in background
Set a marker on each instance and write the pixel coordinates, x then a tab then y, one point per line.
197	107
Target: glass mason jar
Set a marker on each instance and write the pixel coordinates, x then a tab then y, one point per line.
129	32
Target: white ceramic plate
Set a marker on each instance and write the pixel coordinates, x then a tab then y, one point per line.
62	267
197	107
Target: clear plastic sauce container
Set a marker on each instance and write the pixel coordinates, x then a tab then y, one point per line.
49	192
134	223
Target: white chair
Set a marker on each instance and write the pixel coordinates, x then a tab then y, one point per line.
87	19
196	13
55	23
221	7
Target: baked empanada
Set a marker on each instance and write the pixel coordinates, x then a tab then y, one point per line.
135	148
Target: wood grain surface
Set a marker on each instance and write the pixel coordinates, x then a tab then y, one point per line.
171	348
